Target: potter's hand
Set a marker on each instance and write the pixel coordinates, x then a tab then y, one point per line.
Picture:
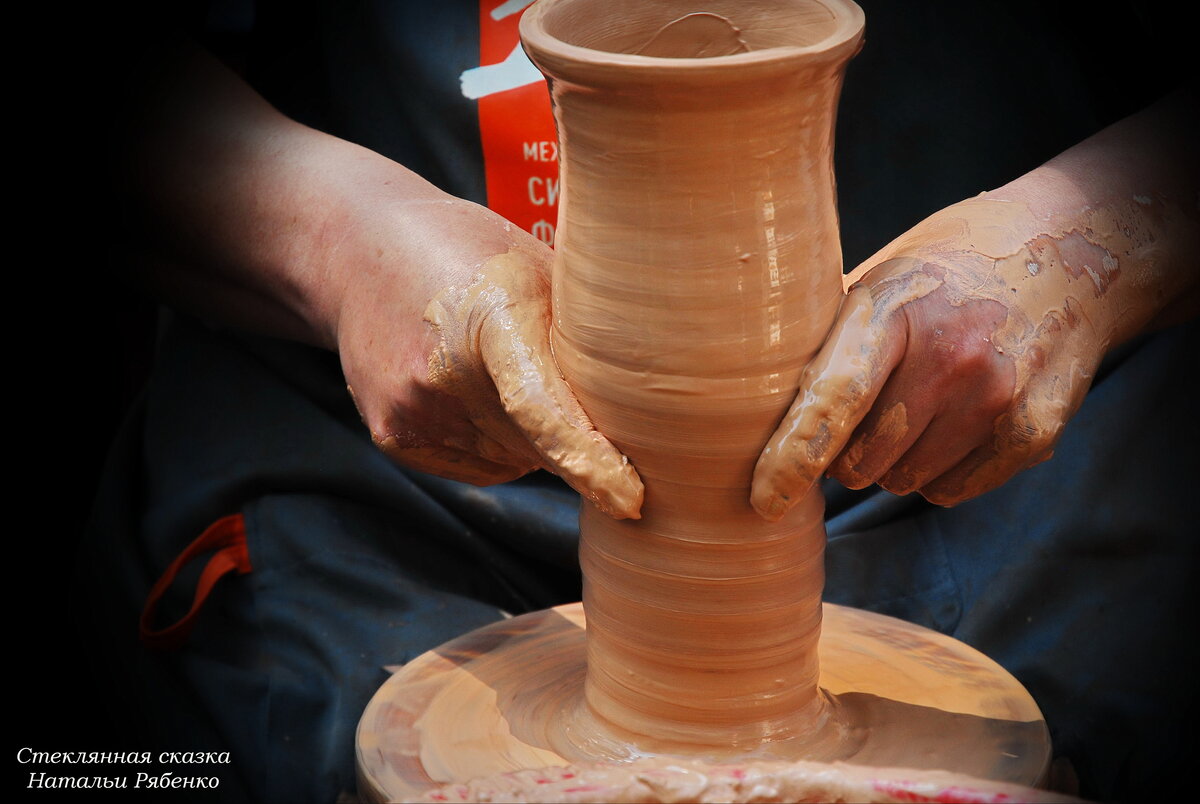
963	347
472	391
942	375
438	308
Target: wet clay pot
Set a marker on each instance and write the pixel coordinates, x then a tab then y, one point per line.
698	269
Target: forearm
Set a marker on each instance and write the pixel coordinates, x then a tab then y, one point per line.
1133	190
437	307
1110	228
243	216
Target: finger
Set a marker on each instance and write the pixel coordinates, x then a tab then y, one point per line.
940	403
516	353
1023	437
966	421
884	435
836	390
945	442
436	419
489	449
454	464
461	404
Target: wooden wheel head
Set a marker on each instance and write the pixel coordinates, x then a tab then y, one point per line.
509	696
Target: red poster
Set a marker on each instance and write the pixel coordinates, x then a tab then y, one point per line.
520	151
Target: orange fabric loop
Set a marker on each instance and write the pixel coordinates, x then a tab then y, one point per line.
228	537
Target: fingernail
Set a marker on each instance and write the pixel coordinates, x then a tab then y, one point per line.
897	482
625	500
776	507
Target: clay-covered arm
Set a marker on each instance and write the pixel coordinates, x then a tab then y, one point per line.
965	345
438	308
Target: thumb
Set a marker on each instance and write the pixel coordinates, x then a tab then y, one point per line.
516	353
836	391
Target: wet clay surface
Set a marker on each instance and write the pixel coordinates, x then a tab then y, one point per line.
697	270
654	780
514	692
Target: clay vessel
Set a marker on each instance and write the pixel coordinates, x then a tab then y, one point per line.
697	271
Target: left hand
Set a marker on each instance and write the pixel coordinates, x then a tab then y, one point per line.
442	321
960	352
964	347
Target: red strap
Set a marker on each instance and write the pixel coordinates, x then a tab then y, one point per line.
228	537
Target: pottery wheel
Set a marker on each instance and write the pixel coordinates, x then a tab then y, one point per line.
509	696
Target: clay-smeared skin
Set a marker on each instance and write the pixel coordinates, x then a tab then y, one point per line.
669	780
697	270
966	345
493	340
471	392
